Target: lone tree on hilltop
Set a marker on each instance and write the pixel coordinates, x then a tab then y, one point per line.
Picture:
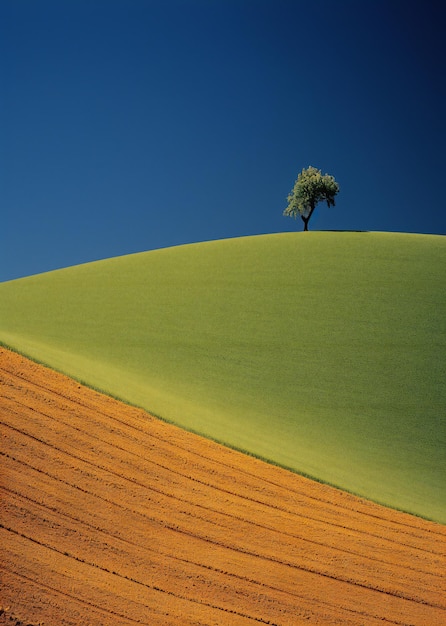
310	188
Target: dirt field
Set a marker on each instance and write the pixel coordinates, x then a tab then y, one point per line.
111	517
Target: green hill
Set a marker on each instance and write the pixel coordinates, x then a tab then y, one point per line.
323	352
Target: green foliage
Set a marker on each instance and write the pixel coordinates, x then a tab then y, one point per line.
338	372
310	188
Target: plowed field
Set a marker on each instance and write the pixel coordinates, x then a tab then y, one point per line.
112	517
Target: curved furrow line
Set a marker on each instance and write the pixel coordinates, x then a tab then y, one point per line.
206	519
156	551
300	598
115	507
101	610
315	568
163	493
133	580
252	553
185	561
282	532
433	528
204	507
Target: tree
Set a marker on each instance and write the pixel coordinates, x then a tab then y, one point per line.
310	188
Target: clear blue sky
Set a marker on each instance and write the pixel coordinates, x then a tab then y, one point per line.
129	125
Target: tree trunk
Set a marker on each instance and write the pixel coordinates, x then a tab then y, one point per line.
306	218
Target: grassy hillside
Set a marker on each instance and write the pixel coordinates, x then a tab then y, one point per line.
323	352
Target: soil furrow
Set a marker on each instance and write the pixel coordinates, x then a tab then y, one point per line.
281	509
113	517
143	419
143	460
307	564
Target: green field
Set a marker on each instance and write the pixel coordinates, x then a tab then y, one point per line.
322	352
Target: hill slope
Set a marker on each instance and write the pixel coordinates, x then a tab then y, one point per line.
109	517
323	352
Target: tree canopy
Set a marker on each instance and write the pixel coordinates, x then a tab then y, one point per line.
310	188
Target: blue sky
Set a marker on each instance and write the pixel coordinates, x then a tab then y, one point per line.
130	125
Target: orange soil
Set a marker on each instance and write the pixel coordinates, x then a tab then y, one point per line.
112	517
